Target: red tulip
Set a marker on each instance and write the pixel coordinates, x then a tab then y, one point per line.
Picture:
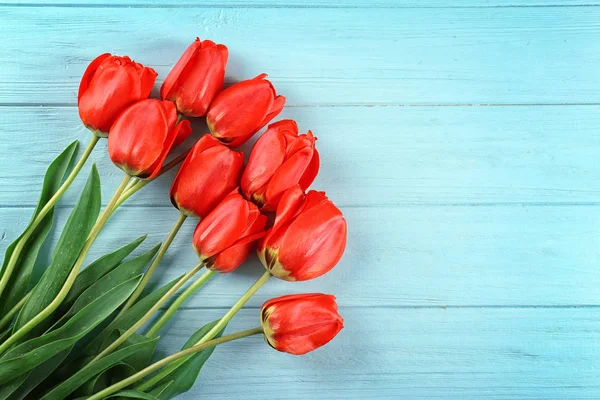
241	110
143	135
279	160
307	239
109	85
196	78
300	323
209	173
225	238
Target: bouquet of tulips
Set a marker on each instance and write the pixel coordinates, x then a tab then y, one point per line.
89	331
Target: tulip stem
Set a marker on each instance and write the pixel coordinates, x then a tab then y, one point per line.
13	311
149	313
210	334
159	256
50	308
12	262
177	303
132	189
170	359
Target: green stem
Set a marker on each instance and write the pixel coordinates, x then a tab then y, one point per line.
150	312
50	308
132	183
210	334
132	189
161	253
177	303
13	311
167	360
12	262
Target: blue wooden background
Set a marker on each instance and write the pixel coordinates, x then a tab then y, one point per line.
460	138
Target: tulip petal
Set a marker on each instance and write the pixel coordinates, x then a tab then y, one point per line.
266	157
314	241
222	226
287	175
200	80
131	150
311	171
274	110
239	111
298	324
209	173
147	79
167	90
229	259
89	74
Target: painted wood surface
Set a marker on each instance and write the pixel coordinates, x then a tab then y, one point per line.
473	252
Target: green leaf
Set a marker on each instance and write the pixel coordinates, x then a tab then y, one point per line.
17	285
32	353
86	373
133	394
65	254
139	360
122	273
128	318
97	270
37	375
161	388
183	378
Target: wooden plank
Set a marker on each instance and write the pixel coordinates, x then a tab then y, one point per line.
411	256
517	55
304	4
410	354
433	155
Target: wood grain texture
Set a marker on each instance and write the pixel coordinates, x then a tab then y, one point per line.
323	56
304	4
473	250
410	256
378	156
411	354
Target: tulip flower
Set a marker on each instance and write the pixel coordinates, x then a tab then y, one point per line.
307	239
295	324
241	110
300	323
208	174
143	135
196	78
225	238
109	85
279	160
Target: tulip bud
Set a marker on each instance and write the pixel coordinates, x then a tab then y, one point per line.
300	323
307	239
225	238
143	135
279	160
196	78
241	110
109	85
209	173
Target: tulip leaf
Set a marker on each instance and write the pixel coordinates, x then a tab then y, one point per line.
31	380
161	388
19	281
133	394
83	375
65	254
97	270
122	273
182	379
128	318
28	355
